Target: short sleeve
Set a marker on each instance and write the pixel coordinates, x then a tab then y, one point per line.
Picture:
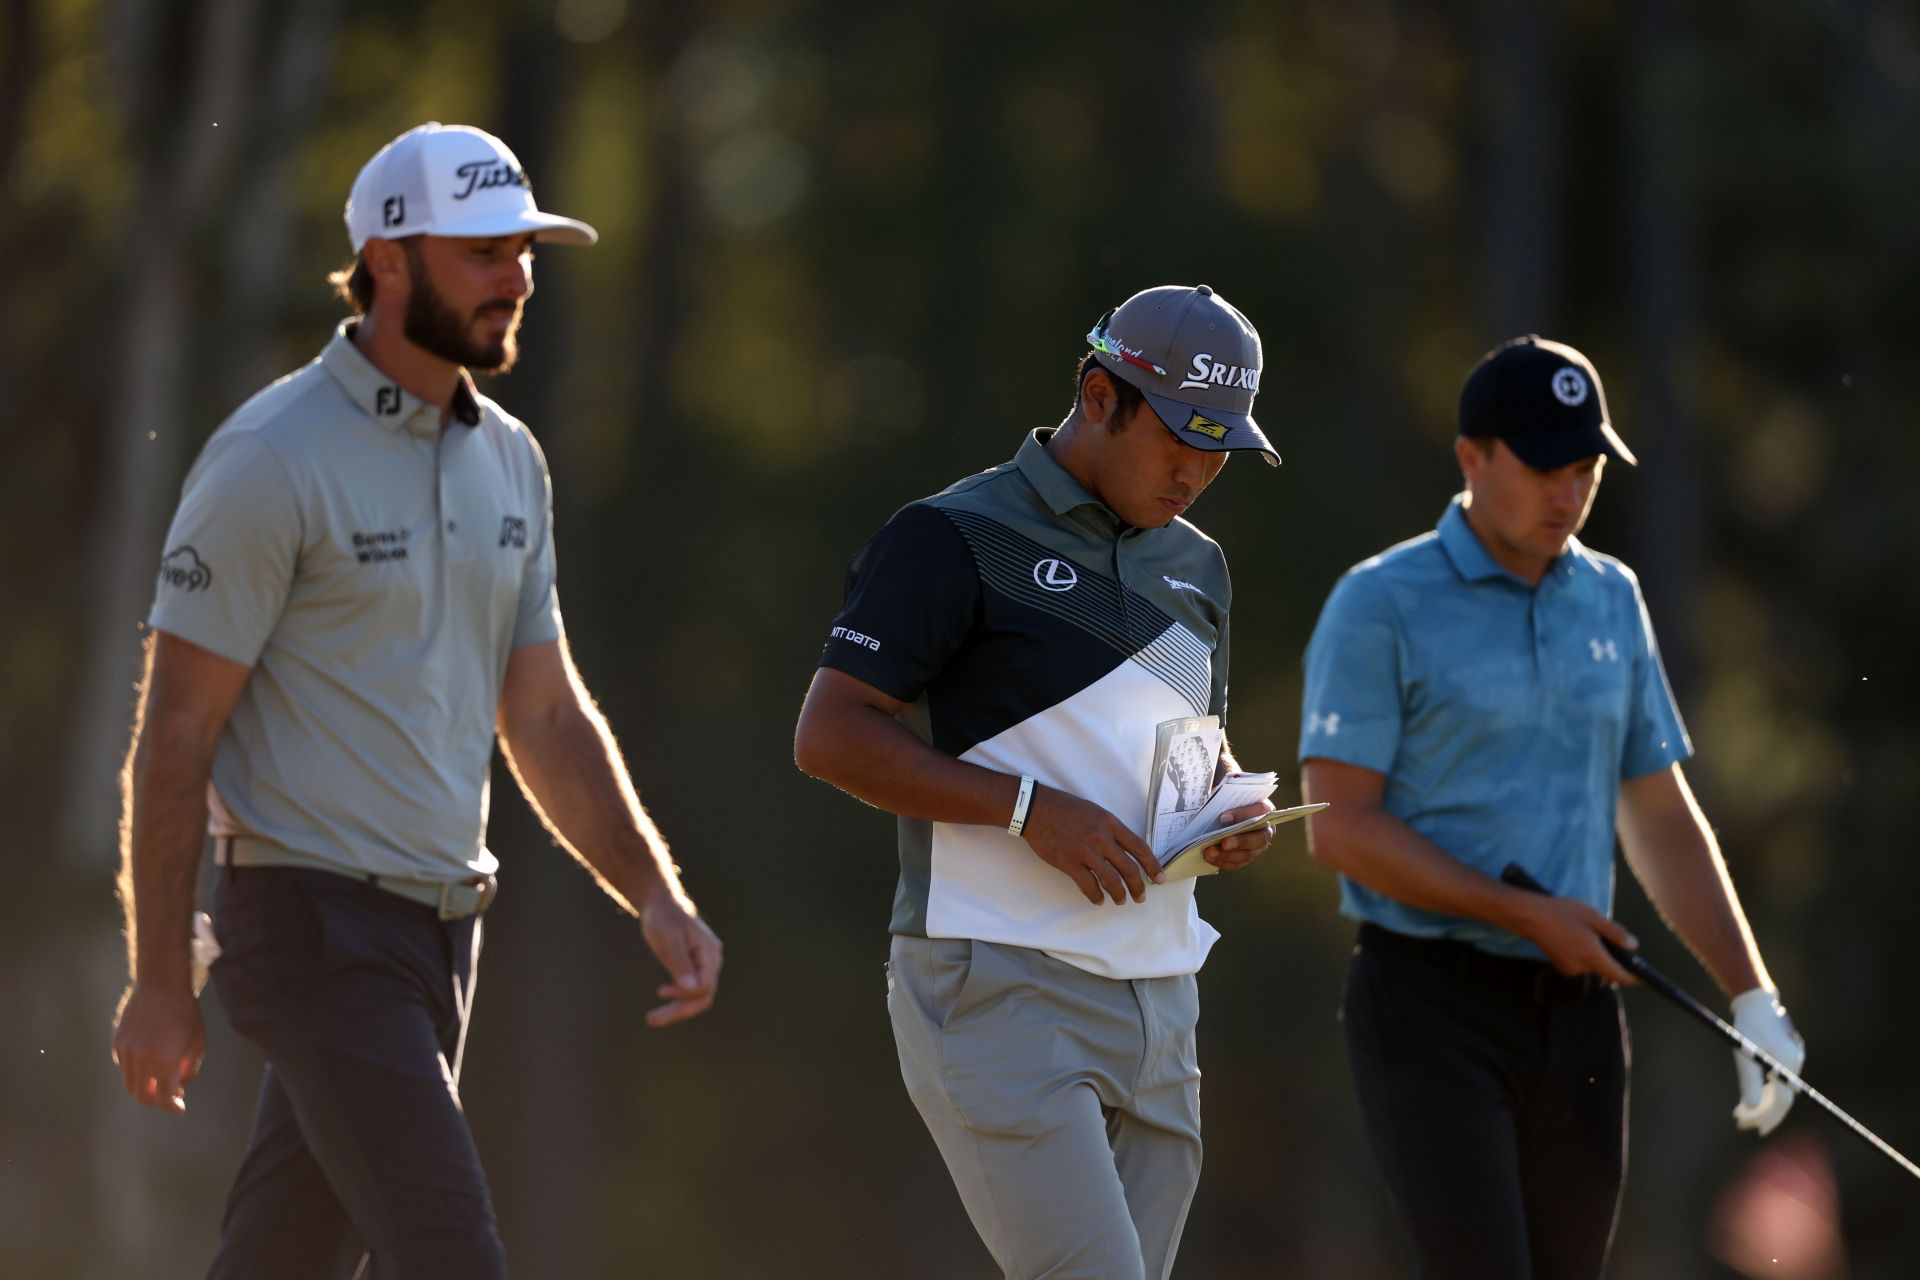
231	551
536	620
1655	738
1351	702
912	597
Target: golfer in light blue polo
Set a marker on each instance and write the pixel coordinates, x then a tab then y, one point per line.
1491	693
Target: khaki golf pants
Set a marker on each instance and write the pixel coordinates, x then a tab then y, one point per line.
1066	1105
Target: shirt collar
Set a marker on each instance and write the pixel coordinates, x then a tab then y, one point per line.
1472	561
1055	485
383	399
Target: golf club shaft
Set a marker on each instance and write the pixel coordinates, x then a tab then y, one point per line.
1517	876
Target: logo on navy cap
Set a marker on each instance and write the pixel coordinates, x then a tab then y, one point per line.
1570	387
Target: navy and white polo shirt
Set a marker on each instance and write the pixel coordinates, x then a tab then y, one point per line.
1032	632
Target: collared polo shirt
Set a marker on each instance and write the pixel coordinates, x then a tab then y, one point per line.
1503	715
1031	631
374	571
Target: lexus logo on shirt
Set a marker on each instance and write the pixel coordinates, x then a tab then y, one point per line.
1055	575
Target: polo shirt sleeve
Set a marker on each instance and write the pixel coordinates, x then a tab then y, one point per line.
536	620
1656	737
231	551
1351	703
912	597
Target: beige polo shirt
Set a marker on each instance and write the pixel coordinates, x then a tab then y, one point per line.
374	572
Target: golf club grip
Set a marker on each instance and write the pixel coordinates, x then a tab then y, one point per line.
1517	876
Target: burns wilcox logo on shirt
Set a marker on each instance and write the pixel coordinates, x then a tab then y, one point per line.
1208	372
183	569
1055	575
855	637
381	545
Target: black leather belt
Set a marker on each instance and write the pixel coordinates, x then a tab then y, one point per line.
1536	980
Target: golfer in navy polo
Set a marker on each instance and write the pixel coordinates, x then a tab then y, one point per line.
996	676
1492	693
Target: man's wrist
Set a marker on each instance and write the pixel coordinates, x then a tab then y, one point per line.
164	972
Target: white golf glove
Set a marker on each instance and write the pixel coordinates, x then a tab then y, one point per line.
1764	1097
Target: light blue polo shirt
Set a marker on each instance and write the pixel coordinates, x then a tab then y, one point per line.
1503	715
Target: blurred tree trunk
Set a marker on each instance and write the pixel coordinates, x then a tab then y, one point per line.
192	99
1522	246
256	241
186	108
19	54
553	1152
181	82
1667	512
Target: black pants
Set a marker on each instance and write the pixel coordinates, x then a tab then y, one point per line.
1494	1094
359	999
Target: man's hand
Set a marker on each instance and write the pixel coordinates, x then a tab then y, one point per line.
1089	846
1236	852
1764	1097
159	1040
690	953
1574	936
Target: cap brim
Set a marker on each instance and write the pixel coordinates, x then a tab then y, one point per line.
1213	430
1551	450
548	227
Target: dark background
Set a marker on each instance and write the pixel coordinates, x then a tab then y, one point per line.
849	251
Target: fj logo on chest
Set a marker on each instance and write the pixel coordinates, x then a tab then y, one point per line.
1603	650
513	532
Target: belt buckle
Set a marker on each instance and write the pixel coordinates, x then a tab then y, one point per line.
484	887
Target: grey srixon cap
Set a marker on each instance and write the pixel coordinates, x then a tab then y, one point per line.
1195	358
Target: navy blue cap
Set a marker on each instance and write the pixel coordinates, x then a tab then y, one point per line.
1544	399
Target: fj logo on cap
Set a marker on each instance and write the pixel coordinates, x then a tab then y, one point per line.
1055	575
1570	387
394	211
1205	426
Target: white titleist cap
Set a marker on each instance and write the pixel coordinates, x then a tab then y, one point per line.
450	180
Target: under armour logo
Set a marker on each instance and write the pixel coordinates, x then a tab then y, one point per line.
1328	724
394	211
1055	575
386	401
1570	387
1603	650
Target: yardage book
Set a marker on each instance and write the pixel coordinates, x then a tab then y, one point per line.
1184	804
